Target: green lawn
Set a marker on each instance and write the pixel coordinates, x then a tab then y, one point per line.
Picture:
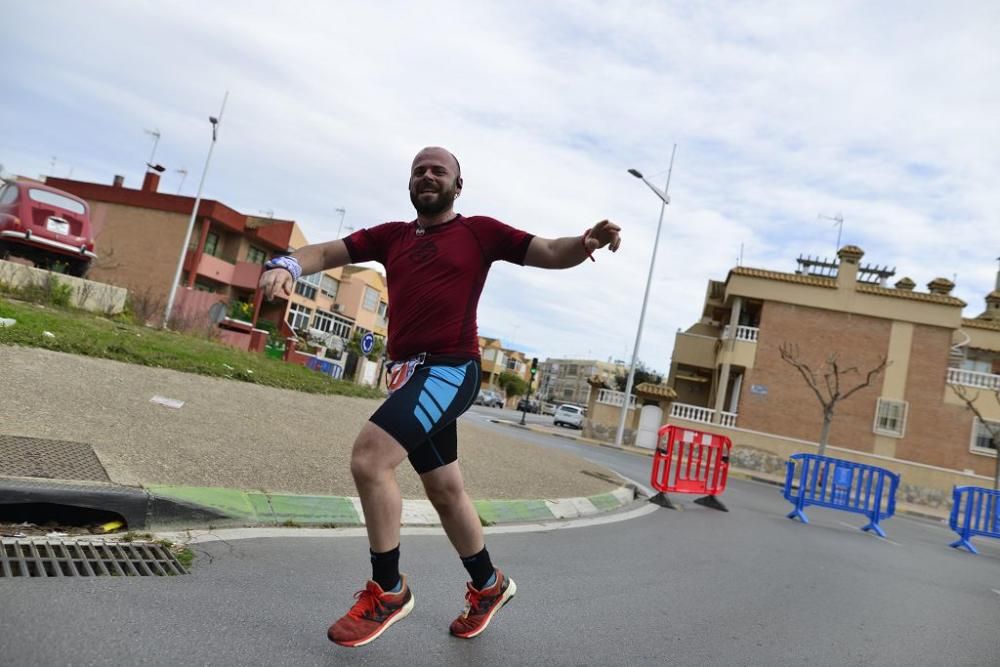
78	332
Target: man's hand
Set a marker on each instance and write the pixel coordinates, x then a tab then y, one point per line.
604	233
276	282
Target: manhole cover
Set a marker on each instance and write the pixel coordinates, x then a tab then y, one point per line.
51	459
90	558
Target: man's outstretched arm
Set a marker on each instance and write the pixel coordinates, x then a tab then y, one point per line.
568	251
312	258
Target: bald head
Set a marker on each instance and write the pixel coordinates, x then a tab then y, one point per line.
435	181
441	153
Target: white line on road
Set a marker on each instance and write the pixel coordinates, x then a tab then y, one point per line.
995	591
873	534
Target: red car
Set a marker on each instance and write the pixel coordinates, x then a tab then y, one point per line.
46	226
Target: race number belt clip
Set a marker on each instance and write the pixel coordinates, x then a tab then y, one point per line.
401	371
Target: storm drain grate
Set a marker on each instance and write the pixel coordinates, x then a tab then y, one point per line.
91	558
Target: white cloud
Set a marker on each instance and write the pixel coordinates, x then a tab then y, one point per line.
782	112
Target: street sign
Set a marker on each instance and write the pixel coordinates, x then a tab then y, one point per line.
367	343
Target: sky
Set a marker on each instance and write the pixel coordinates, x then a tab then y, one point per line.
784	114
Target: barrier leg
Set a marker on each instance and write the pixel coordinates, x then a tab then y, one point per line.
964	543
712	502
876	528
662	500
797	513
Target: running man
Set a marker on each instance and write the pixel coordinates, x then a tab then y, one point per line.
436	267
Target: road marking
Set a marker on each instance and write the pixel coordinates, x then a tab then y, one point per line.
995	591
873	534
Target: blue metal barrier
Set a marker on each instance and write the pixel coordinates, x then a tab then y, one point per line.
974	512
841	485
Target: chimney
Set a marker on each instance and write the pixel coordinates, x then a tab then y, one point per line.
150	181
941	286
906	284
119	181
847	272
992	307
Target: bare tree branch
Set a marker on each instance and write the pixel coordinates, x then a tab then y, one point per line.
831	379
871	376
992	428
790	354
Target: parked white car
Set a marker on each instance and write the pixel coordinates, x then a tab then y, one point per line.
490	399
568	415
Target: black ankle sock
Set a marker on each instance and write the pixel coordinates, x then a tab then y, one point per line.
480	568
385	568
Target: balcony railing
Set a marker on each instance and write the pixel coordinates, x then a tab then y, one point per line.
989	381
616	398
701	415
748	334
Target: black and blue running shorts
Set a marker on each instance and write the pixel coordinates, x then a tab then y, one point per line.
421	415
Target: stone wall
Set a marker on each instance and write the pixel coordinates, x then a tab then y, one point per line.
86	294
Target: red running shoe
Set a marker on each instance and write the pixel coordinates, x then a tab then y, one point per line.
482	606
371	615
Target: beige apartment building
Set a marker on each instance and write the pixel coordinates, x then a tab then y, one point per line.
496	360
565	380
729	376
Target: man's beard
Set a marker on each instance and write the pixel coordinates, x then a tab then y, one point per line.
440	204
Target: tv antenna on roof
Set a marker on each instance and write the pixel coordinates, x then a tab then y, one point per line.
838	222
156	139
183	173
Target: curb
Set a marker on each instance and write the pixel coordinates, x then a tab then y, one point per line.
739	473
248	508
175	507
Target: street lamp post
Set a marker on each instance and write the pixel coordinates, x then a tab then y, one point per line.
194	214
665	199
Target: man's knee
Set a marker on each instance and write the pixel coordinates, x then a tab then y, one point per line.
444	491
375	454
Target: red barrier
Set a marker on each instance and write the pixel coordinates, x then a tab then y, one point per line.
690	461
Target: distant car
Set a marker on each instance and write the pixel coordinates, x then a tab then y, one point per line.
527	405
46	226
547	409
568	415
490	399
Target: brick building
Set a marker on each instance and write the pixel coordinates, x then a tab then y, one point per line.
727	370
139	236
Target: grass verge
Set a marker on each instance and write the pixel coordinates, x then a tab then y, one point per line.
78	332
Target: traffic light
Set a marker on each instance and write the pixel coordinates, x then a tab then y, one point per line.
534	367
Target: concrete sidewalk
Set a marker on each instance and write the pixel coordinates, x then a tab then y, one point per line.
243	451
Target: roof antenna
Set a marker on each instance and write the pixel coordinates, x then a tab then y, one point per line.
839	224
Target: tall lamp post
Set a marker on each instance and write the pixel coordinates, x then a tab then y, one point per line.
665	199
194	214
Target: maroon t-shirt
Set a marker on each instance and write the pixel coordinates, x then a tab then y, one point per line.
435	279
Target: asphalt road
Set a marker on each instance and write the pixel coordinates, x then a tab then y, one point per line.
694	587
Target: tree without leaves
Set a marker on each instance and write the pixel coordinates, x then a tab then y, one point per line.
992	428
828	377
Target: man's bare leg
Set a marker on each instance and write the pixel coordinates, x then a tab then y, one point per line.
374	459
446	491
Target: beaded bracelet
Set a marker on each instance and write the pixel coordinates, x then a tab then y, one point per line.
288	263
